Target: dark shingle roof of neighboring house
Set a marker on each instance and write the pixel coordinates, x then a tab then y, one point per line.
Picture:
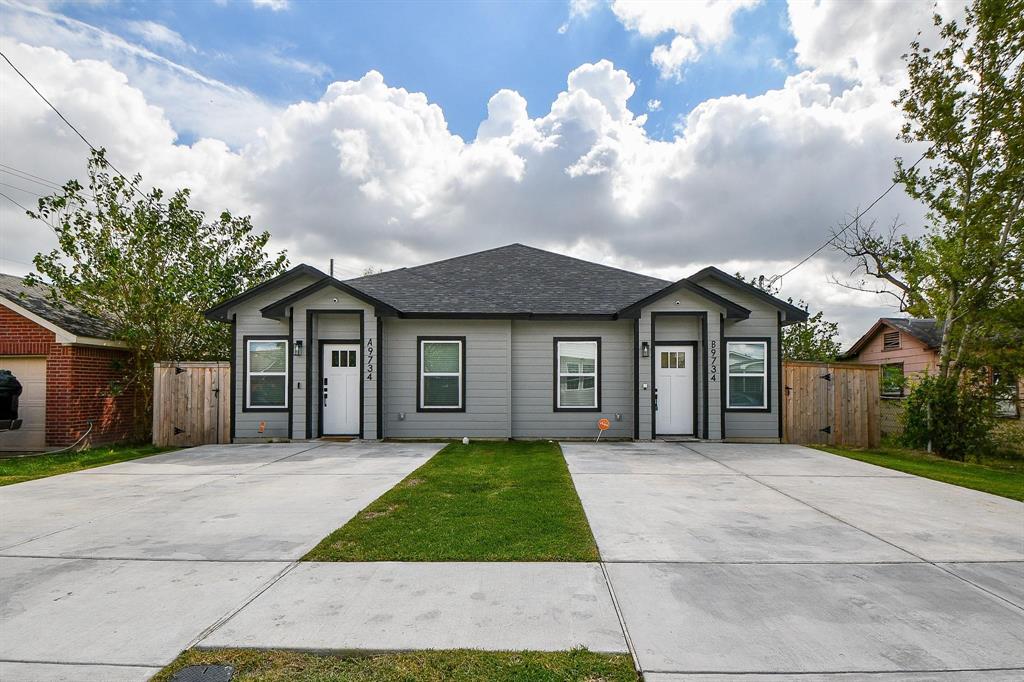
36	300
508	280
927	330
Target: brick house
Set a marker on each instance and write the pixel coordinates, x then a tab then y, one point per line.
909	347
67	363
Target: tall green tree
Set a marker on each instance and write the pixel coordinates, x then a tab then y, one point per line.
151	265
965	100
816	340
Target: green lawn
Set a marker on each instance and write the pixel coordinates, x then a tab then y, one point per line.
486	501
1004	477
253	665
29	467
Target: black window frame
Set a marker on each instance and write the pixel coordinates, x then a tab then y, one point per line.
420	407
246	407
767	341
555	373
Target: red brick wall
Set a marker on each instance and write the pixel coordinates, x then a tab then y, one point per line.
21	336
78	383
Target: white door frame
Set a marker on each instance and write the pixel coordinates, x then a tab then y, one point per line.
349	344
658	347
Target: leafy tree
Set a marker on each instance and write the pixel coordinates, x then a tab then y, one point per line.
151	265
966	101
816	340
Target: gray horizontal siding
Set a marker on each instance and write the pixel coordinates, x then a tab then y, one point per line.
533	414
682	328
249	322
332	326
487	380
763	322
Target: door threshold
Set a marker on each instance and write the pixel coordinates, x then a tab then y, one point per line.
338	439
680	439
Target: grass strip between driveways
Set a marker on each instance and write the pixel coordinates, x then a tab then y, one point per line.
999	477
486	501
30	467
254	665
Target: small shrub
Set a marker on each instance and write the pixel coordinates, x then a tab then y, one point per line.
1008	438
955	417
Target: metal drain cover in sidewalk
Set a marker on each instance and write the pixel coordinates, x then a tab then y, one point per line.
204	673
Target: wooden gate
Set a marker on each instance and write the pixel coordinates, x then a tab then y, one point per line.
831	403
191	403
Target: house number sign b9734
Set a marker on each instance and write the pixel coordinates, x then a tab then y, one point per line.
713	364
369	359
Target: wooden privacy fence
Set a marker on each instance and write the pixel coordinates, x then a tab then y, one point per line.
831	403
191	403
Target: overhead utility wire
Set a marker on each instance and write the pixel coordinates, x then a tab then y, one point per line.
69	124
21	189
850	224
18	205
812	254
25	175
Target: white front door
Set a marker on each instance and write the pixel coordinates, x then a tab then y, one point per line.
339	389
673	378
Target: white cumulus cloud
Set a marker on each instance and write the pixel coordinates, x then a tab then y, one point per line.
696	26
370	174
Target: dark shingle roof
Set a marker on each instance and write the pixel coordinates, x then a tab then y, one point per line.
36	300
508	280
925	329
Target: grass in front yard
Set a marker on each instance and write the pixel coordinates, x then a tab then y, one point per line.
486	501
29	467
253	665
1003	477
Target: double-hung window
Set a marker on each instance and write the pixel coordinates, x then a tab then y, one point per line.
266	374
442	374
747	381
577	377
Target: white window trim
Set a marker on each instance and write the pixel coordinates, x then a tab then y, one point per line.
424	374
763	374
249	374
581	375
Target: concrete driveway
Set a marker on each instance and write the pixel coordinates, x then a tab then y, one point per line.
775	559
109	573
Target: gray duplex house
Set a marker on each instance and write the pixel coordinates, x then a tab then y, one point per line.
513	342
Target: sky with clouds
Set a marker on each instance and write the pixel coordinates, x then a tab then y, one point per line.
655	136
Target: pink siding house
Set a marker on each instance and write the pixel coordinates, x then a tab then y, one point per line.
909	347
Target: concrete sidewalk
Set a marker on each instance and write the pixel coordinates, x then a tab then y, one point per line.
403	606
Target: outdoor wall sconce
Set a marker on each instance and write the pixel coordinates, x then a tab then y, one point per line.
645	350
298	348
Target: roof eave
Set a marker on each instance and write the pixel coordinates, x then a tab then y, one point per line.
792	313
219	312
733	310
278	309
60	334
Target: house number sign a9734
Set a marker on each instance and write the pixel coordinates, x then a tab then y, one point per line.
369	359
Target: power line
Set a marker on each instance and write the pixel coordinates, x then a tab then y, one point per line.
5	196
25	175
69	124
20	189
14	202
944	137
